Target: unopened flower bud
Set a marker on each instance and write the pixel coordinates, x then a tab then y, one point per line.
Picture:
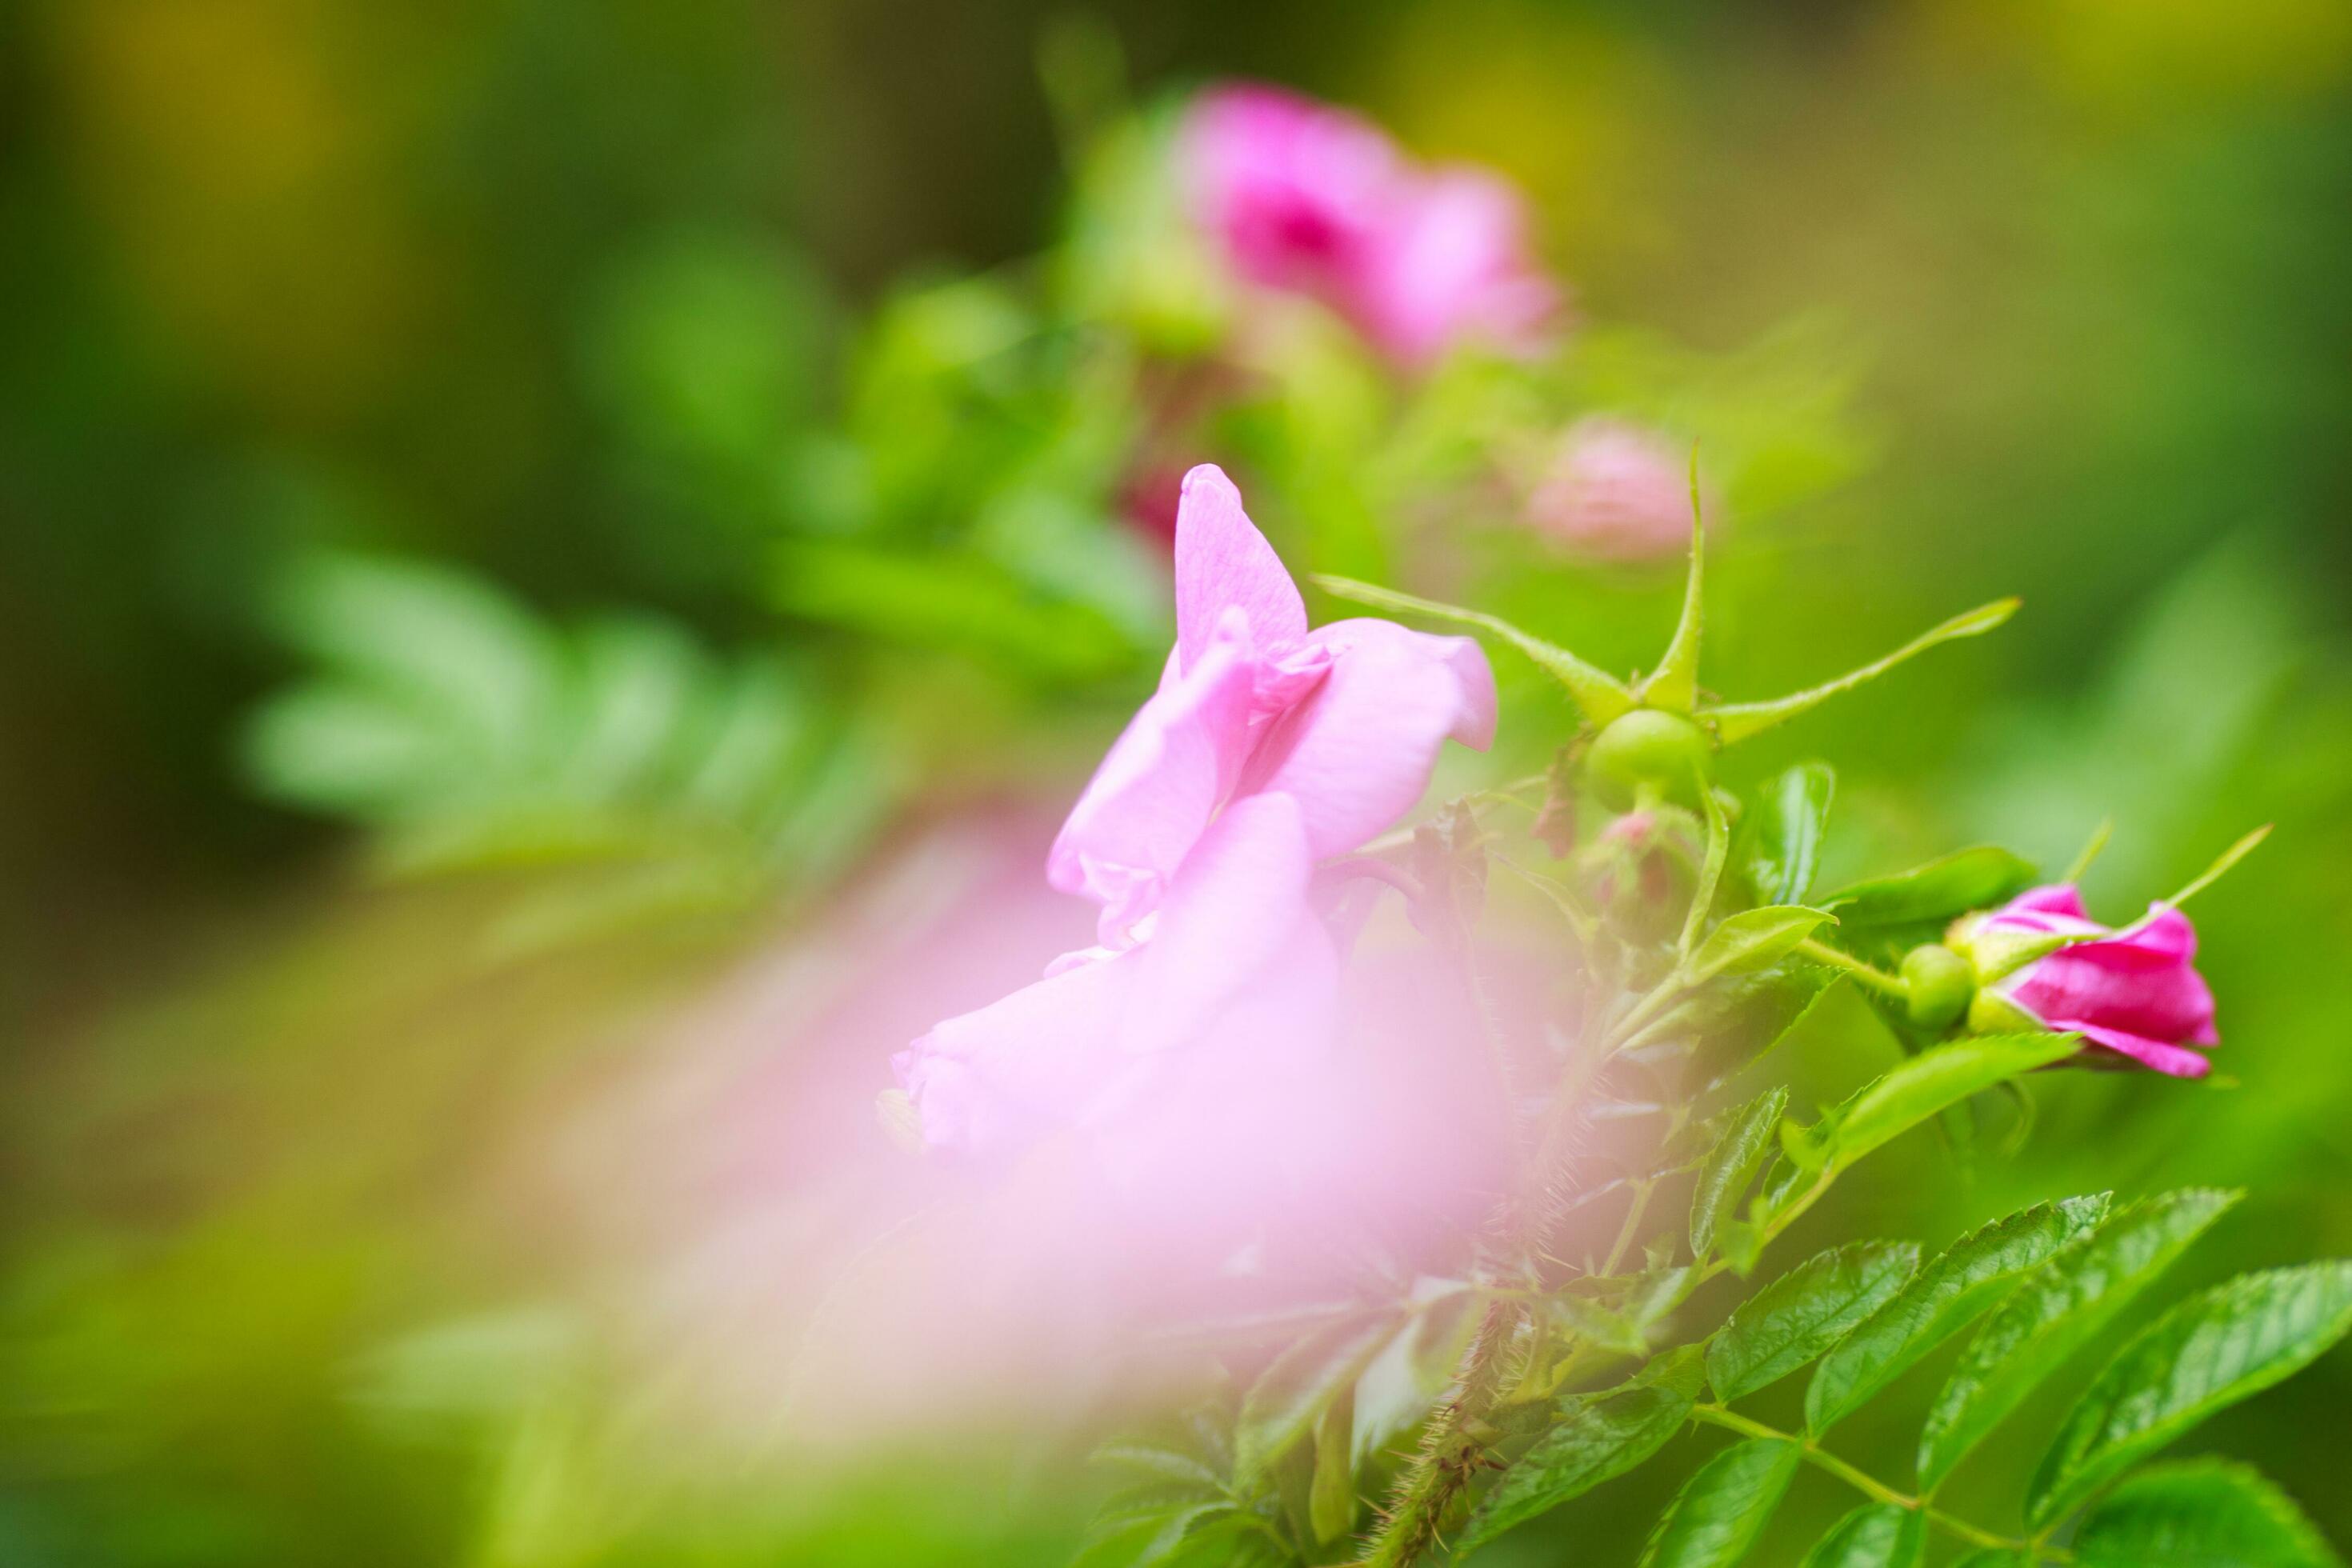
1991	1013
1649	747
1941	985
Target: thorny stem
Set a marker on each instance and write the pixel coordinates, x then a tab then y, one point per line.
1872	1488
1449	1454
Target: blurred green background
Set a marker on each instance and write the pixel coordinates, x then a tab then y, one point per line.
556	366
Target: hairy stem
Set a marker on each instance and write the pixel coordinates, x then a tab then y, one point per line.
1449	1453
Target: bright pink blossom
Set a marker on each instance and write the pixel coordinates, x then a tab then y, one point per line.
2134	991
1615	490
1267	747
1311	198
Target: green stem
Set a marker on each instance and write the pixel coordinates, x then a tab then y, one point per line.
1871	1486
1870	975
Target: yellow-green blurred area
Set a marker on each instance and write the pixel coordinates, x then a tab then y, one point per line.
547	394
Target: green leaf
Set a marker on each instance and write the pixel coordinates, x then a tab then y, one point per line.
1674	685
1732	1164
2207	1354
2202	1513
1803	1313
1146	1532
1926	1084
1597	694
1716	1519
1331	1502
1753	939
1598	1437
1602	1326
1875	1535
2055	1313
946	600
1950	1293
1300	1383
1783	842
1710	876
1738	721
1968	879
1170	1466
1997	1557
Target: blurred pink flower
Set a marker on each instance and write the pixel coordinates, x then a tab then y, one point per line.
1313	199
1616	490
2134	991
1267	747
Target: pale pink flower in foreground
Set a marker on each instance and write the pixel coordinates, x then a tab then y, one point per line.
1311	198
1615	490
2136	992
1267	747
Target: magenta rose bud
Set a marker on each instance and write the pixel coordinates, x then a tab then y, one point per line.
1615	490
2134	991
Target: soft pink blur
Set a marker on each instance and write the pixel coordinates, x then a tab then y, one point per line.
1312	199
777	1274
1616	490
1175	1122
2136	993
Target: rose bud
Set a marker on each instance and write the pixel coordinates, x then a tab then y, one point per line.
1617	492
2132	994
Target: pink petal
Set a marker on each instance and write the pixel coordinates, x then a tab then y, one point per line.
1159	785
1452	262
2058	899
1223	561
1358	754
1156	1049
2113	984
1290	186
1037	1059
1240	897
2176	1061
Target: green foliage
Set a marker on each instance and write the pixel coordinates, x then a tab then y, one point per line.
1803	1313
1875	1535
1753	940
1721	1511
1968	879
2196	1514
1959	1286
1593	1439
1286	1399
472	736
2211	1351
2059	1310
1732	1164
1781	837
1921	1088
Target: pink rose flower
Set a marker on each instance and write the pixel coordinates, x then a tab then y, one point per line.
1616	490
1312	199
1267	747
2134	991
